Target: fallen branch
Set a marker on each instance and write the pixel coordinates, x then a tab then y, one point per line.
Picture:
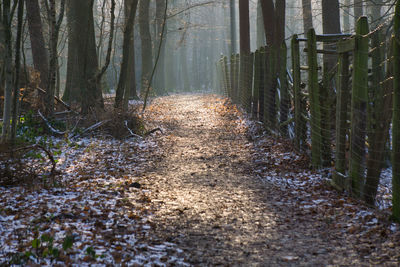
51	128
91	128
131	132
49	155
153	131
58	100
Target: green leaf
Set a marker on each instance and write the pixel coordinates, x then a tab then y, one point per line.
47	238
36	243
55	252
68	242
91	252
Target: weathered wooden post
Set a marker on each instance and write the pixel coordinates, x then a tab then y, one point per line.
227	76
380	114
315	104
223	76
270	89
359	107
246	75
342	101
237	68
220	76
396	116
285	100
299	122
249	80
256	83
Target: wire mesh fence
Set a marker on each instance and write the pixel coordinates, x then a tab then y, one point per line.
339	103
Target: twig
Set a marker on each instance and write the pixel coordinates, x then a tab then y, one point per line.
91	128
58	100
153	131
51	158
131	132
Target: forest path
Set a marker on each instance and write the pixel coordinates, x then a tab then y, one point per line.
207	199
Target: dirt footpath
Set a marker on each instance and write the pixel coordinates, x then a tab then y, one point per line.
208	199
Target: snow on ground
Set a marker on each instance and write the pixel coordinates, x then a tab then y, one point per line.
98	204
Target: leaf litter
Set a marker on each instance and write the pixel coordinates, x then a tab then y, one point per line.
212	190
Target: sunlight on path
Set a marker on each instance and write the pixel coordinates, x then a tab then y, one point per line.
206	197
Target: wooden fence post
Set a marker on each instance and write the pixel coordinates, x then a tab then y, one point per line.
380	114
227	76
246	70
342	100
285	99
237	68
359	107
299	122
220	74
315	104
249	80
270	89
396	116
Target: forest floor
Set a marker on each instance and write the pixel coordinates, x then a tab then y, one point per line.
209	190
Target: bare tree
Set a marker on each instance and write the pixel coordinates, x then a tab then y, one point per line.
39	51
145	37
127	52
54	27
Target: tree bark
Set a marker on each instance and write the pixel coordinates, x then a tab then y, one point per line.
307	15
127	51
17	63
2	52
145	37
232	10
358	10
82	58
280	14
244	25
260	26
159	76
330	25
6	18
268	10
54	28
39	51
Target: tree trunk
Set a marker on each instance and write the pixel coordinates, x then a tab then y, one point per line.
346	16
145	37
82	58
396	116
2	52
280	14
127	51
268	10
159	75
244	54
17	63
260	26
6	18
39	51
330	24
307	15
358	10
232	9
